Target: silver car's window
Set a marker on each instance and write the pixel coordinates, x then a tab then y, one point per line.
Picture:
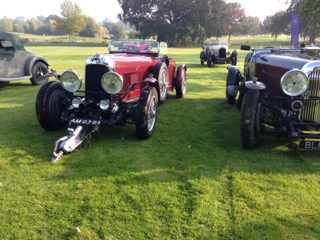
5	44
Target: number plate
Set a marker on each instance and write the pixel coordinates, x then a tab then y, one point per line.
82	121
309	145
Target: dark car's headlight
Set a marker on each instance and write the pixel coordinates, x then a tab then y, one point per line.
112	82
294	82
70	80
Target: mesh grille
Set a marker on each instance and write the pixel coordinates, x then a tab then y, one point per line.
311	109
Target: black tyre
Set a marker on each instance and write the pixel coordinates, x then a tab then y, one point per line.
202	57
146	113
3	84
181	83
161	74
230	99
50	103
39	69
209	63
250	119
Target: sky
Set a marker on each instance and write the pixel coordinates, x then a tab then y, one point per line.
262	8
102	9
98	9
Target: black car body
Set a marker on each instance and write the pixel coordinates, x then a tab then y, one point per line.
279	92
16	63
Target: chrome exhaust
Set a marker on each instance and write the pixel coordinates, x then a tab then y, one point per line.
67	144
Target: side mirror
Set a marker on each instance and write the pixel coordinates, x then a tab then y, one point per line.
245	47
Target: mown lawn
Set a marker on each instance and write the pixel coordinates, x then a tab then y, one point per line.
191	180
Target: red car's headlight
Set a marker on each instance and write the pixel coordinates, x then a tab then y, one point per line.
112	82
70	80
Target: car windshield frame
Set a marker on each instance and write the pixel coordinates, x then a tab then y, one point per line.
218	43
137	46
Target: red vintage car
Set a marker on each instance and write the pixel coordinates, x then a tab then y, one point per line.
125	85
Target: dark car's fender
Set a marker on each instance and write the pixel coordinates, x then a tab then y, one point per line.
233	80
30	61
203	56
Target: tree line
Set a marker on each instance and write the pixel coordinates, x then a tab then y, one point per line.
173	21
71	22
177	21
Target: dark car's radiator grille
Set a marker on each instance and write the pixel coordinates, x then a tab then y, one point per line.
222	53
311	109
94	73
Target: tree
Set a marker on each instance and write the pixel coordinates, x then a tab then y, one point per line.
31	25
251	26
132	34
92	29
167	20
117	32
18	28
6	24
18	24
72	21
218	24
235	16
310	18
51	23
266	25
280	23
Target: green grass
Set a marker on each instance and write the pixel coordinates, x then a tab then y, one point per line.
191	180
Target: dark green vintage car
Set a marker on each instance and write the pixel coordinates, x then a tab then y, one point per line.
279	93
16	63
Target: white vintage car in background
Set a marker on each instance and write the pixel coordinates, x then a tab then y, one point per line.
215	52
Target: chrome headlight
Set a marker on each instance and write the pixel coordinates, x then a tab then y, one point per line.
112	82
70	80
294	83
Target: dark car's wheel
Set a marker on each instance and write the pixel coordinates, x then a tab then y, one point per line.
209	63
250	119
50	103
202	57
146	113
39	69
181	82
230	99
3	84
161	74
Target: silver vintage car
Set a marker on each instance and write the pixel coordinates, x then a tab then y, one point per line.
215	52
16	63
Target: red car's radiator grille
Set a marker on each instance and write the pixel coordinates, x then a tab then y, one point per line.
311	109
94	73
